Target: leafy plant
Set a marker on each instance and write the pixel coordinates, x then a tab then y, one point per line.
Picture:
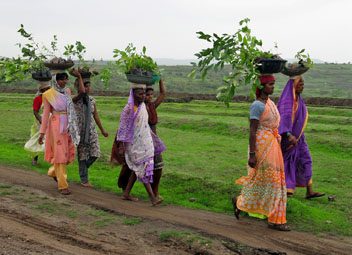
129	60
13	69
304	58
77	50
32	59
240	50
107	73
32	51
33	56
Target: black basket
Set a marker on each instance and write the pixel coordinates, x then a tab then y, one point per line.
85	74
140	79
294	69
269	65
59	66
42	75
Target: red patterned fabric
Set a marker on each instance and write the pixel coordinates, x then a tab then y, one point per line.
267	78
37	103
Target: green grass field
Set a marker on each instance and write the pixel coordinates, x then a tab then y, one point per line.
323	80
206	151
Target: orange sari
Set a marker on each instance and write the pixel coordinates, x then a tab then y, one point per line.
264	188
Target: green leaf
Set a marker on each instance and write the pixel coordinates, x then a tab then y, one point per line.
239	51
192	74
240	38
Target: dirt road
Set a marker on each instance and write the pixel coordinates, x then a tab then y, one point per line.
228	235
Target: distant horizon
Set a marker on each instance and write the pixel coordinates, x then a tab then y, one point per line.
161	61
175	61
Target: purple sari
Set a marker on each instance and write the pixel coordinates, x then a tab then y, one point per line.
297	159
141	144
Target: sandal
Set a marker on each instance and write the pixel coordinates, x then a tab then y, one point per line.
160	198
65	192
289	194
130	198
279	227
315	194
157	202
87	185
236	211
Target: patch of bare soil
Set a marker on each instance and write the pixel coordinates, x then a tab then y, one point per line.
36	219
33	222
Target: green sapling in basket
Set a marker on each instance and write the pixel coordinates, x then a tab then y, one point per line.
138	67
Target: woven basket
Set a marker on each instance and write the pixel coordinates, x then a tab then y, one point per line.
268	65
59	66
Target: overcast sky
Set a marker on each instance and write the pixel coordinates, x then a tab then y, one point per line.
168	27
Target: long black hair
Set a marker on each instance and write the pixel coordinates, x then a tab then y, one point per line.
61	76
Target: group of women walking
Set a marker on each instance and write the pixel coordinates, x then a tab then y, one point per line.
278	161
279	158
71	122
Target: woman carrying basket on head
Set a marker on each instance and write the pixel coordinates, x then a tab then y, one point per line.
59	126
264	188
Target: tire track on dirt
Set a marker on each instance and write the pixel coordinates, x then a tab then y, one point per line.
70	242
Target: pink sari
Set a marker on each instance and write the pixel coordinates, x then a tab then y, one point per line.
264	188
59	147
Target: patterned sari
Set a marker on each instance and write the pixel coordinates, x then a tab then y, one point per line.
264	188
140	142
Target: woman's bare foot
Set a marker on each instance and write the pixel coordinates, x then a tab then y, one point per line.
279	227
129	198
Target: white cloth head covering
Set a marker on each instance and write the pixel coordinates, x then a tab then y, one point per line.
43	84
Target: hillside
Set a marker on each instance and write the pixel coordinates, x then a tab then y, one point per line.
324	80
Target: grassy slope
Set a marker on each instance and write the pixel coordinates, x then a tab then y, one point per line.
207	146
324	80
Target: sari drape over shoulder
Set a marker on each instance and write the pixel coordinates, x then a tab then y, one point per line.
264	188
59	147
294	117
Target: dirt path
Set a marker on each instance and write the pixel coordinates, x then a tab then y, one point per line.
217	226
